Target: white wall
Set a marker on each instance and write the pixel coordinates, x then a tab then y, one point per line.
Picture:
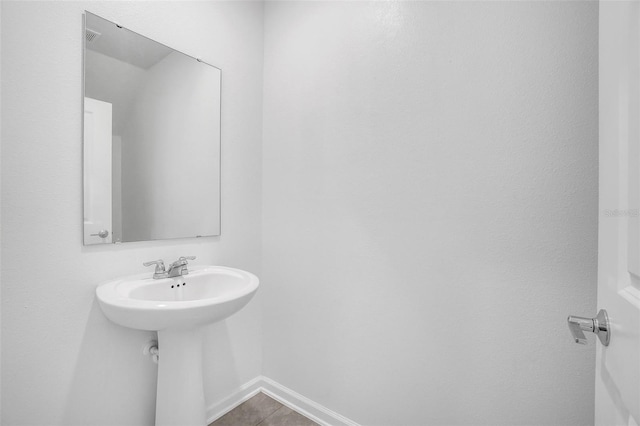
1	101
429	197
430	208
62	361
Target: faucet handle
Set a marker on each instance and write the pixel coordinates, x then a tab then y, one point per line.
187	258
159	263
160	271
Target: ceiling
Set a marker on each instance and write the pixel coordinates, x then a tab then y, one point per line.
123	44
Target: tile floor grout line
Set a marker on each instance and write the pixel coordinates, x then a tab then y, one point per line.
263	420
280	410
271	414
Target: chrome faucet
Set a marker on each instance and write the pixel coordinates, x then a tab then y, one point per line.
176	269
159	272
179	267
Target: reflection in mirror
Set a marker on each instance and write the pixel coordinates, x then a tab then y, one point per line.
151	139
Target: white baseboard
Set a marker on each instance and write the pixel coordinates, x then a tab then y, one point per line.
303	405
240	395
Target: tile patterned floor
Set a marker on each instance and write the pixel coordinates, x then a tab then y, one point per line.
263	411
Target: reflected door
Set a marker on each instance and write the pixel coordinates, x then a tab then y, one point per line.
97	172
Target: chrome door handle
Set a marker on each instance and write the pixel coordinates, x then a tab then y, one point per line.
102	234
598	325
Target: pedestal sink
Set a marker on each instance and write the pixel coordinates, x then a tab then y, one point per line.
178	308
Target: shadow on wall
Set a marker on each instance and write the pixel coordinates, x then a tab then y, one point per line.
104	393
219	364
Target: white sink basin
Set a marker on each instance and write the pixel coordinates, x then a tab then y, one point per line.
177	308
206	295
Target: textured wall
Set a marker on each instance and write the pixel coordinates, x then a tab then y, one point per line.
430	208
62	361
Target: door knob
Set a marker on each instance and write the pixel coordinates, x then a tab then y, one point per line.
102	234
598	325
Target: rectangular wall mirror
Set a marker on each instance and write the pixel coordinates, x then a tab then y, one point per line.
151	139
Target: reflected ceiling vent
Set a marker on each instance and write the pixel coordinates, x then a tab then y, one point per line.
91	35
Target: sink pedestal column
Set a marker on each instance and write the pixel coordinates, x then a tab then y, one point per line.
180	393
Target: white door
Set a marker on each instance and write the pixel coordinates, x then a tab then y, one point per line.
97	172
618	365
